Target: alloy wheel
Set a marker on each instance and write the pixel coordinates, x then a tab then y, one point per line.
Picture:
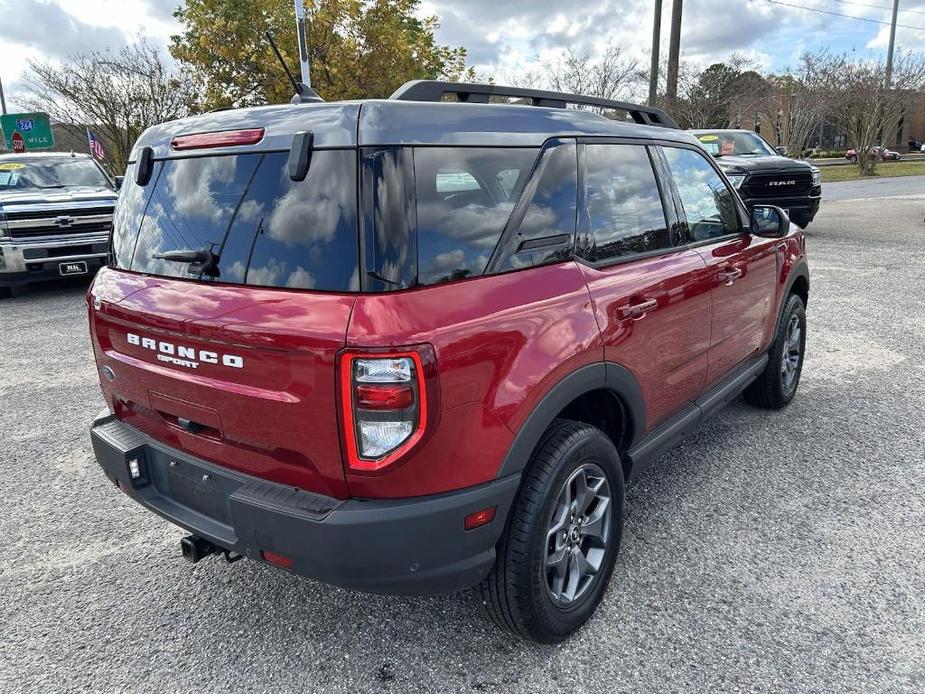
578	534
792	354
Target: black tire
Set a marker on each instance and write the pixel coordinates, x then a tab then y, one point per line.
6	292
518	594
777	384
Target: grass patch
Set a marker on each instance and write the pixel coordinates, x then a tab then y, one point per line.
886	169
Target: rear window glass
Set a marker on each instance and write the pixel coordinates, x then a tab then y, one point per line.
464	198
250	223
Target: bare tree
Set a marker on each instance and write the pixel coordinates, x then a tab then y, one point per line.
809	93
865	107
613	75
117	96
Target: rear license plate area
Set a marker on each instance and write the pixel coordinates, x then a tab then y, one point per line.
74	268
197	488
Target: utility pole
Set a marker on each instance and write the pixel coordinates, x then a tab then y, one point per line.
303	46
656	39
888	77
2	98
674	50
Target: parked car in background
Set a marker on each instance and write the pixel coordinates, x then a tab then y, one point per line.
876	152
55	217
762	175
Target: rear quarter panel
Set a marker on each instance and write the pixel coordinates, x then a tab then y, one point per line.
501	342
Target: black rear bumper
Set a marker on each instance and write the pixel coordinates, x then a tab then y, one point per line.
386	546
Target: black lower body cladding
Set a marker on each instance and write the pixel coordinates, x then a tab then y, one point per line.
409	546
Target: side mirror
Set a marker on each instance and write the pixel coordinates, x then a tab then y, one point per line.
770	221
119	180
781	150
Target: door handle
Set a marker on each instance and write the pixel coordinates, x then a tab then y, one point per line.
728	277
639	310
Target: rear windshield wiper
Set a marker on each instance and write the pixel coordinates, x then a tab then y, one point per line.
202	262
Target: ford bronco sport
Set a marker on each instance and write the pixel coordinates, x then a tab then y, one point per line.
762	175
423	343
55	217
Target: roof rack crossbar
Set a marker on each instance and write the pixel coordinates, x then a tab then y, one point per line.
435	90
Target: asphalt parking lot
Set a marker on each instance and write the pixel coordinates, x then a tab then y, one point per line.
770	552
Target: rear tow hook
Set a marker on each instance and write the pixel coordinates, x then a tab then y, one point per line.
196	548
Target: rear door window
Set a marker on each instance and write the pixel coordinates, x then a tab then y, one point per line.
261	227
624	206
546	232
464	198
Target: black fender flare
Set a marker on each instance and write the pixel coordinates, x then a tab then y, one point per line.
600	376
800	269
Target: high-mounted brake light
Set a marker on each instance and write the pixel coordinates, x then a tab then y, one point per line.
384	407
222	138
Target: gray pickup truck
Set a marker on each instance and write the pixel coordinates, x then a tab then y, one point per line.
55	217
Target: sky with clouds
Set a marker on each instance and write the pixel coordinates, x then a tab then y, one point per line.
505	38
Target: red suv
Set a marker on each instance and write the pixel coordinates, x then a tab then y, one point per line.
423	343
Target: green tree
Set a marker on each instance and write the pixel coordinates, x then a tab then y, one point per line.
357	49
718	96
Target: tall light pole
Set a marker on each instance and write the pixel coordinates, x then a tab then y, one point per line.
888	77
2	98
674	50
303	45
656	39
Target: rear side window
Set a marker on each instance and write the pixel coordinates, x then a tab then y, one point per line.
625	214
709	205
389	248
260	227
464	198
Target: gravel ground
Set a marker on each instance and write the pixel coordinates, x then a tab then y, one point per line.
769	552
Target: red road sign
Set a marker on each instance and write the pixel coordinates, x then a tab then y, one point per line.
19	145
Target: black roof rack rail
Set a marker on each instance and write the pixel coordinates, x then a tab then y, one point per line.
434	90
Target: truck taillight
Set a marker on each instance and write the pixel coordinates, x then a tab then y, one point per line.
384	398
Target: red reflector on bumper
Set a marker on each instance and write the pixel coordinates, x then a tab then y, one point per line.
277	559
480	518
223	138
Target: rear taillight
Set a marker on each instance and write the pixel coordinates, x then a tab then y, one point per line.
385	407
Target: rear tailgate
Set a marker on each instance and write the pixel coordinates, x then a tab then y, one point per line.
230	287
240	376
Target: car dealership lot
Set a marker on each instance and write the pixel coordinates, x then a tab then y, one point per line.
769	552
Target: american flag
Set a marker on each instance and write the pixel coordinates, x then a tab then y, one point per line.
96	147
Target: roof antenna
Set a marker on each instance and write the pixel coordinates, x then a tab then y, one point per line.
303	93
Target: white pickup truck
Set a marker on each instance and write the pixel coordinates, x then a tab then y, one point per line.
55	217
